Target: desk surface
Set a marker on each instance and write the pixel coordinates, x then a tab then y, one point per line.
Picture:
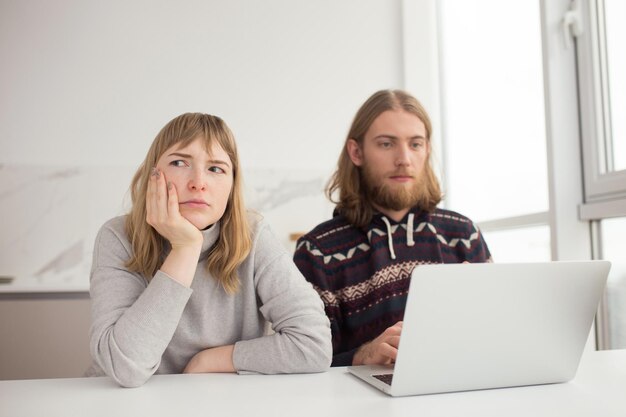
598	390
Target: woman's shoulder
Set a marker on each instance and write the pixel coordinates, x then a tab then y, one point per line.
112	245
262	236
256	222
116	224
114	229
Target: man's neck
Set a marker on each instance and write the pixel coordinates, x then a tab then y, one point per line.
396	215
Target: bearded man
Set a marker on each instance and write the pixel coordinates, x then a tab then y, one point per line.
385	223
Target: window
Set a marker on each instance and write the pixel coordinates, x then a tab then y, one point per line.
602	86
528	244
615	33
534	138
493	122
613	248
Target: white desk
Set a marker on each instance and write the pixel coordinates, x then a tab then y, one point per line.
599	389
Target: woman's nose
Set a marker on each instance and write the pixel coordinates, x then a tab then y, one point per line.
197	181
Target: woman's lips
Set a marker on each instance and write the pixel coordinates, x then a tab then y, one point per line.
194	203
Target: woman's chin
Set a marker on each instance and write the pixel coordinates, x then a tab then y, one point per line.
201	224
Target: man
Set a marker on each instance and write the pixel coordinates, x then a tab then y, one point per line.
385	223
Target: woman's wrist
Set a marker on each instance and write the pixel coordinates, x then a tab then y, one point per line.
181	263
188	247
218	359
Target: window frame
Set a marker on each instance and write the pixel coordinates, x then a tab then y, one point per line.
605	189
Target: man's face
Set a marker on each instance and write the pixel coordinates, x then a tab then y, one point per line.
392	157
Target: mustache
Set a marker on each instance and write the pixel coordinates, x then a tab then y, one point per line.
401	173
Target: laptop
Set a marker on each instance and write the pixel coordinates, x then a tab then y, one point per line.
492	325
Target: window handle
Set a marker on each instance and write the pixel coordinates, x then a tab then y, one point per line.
572	23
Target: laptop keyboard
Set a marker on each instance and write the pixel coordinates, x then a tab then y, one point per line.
386	378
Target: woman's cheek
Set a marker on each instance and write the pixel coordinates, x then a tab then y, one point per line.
174	176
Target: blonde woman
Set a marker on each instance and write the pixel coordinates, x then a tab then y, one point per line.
187	281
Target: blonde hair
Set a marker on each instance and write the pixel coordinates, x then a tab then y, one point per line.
354	202
234	241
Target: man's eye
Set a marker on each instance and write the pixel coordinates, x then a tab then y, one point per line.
385	144
217	170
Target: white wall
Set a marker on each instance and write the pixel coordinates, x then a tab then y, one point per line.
86	86
92	82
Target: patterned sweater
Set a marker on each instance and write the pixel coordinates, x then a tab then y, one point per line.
363	274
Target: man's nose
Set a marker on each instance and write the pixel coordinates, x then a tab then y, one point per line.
403	156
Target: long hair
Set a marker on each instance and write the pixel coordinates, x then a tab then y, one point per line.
234	241
354	202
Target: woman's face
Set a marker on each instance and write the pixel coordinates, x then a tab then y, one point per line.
202	181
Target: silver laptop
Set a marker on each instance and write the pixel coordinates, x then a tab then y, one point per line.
478	326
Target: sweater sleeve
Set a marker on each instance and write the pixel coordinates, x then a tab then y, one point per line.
301	341
310	265
478	250
132	321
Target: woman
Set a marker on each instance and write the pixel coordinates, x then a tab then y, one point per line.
187	281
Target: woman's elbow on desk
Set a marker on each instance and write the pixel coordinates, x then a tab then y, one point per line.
120	368
315	350
130	382
322	360
125	378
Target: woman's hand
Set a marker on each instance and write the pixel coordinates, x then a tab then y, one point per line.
163	213
218	359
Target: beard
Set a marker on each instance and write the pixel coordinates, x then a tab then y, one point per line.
390	197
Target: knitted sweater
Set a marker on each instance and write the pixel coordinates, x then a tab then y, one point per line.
363	274
142	327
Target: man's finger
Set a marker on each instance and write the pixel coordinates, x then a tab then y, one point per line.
388	351
393	341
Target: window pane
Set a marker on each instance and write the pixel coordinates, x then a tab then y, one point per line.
614	12
613	249
493	104
528	244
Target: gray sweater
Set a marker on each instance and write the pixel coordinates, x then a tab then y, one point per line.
142	327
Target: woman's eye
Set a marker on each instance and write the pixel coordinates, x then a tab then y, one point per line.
178	163
217	170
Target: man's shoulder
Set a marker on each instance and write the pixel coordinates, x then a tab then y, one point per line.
449	217
331	232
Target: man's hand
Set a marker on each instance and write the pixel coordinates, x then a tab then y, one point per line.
381	351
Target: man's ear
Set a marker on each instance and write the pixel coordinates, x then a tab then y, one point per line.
354	152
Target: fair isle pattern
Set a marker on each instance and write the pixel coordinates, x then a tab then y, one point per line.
392	273
330	232
337	256
341	256
362	287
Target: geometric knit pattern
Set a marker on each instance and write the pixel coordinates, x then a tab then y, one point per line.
341	256
363	274
387	275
